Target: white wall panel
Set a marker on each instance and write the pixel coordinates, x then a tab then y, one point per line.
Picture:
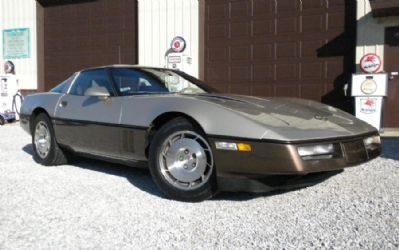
159	22
16	14
371	31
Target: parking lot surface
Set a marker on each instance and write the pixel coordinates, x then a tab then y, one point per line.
96	205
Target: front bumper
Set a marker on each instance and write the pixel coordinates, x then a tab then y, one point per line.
280	158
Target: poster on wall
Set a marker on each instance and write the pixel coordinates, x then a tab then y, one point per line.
16	43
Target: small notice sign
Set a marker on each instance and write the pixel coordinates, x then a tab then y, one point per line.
16	43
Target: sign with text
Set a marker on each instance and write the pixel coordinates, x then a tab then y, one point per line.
370	63
369	91
16	43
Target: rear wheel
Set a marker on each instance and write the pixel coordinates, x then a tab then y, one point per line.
45	148
181	162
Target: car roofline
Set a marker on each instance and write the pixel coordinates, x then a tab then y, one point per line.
122	66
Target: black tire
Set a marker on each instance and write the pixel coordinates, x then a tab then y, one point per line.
55	155
205	190
2	121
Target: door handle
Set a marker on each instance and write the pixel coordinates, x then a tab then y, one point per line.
63	104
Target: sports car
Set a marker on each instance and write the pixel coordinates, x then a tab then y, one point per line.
194	140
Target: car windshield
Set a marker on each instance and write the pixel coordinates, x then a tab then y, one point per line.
133	81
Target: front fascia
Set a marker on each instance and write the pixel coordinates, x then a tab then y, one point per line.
276	158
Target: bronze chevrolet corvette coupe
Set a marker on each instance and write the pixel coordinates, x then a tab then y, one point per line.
196	141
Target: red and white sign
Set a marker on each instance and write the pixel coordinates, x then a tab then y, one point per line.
368	105
178	44
369	110
370	63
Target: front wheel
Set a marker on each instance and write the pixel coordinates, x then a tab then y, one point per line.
45	148
181	162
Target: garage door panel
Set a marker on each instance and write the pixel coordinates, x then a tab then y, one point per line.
218	54
240	29
240	88
240	9
287	90
263	8
286	71
224	88
337	3
311	91
98	33
309	48
263	27
287	7
335	21
240	53
217	11
240	74
287	25
263	73
262	90
263	51
217	31
334	69
287	52
82	42
218	73
315	5
84	11
312	70
313	23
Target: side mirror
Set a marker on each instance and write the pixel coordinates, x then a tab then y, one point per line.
100	92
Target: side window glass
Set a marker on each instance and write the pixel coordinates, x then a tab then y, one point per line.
89	79
130	82
62	87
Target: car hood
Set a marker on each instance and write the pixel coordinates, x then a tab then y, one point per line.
292	118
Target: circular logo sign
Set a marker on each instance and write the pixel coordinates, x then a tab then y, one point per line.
370	63
368	87
178	44
9	67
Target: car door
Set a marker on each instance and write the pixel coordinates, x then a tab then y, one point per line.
89	124
133	85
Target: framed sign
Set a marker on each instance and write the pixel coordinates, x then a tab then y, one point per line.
370	63
16	43
178	44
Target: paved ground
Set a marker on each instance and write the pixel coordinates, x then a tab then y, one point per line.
96	205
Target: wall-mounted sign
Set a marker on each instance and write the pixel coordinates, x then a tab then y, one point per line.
174	59
370	63
368	87
369	91
368	105
16	43
178	44
369	84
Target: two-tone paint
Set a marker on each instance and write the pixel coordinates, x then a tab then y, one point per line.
120	127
